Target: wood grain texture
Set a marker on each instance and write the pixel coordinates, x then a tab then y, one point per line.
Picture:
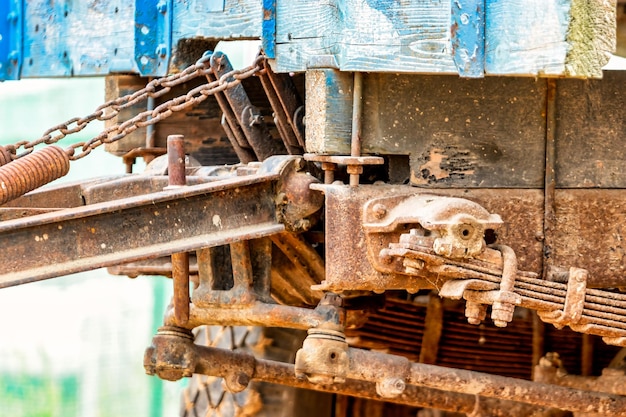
67	38
459	132
328	111
365	35
591	132
239	19
549	37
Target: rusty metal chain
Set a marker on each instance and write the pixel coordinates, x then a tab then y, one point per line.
155	88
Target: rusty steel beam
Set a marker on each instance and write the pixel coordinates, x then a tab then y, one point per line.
148	226
380	366
224	363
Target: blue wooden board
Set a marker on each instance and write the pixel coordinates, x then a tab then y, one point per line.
472	38
11	16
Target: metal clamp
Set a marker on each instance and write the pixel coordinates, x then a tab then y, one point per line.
574	301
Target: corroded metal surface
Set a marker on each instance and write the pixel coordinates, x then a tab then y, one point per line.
32	171
180	260
371	367
155	224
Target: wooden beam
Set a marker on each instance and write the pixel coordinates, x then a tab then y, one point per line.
549	38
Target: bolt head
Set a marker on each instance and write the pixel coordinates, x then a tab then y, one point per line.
161	50
12	17
380	211
14	57
162	7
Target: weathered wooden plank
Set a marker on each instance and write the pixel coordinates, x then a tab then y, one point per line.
549	37
591	132
372	35
589	234
328	111
224	19
457	132
205	139
68	38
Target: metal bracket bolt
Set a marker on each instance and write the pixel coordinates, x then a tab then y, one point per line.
390	387
475	312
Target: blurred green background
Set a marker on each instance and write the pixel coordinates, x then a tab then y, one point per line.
73	346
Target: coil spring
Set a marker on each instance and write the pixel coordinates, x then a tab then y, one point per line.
32	171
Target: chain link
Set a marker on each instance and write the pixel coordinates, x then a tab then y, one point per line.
155	88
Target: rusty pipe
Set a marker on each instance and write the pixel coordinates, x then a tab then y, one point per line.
229	364
254	314
486	385
180	261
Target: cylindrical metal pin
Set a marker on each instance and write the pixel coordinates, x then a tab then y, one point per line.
180	261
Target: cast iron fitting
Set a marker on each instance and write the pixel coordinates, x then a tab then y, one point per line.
333	314
323	358
172	354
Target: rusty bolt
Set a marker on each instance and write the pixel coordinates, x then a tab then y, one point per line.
503	308
475	312
236	382
390	387
443	248
161	50
412	266
354	169
380	211
13	57
331	299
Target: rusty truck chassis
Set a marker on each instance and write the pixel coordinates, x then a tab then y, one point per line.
378	237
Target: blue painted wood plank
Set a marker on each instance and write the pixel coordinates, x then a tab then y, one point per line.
522	37
224	19
11	18
365	35
78	38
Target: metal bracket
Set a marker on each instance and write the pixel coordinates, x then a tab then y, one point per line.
467	30
153	36
269	28
574	301
11	36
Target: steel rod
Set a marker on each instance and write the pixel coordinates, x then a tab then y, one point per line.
180	261
221	362
495	386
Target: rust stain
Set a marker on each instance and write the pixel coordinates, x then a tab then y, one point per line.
438	167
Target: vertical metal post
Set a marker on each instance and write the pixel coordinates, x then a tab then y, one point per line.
549	215
355	143
180	261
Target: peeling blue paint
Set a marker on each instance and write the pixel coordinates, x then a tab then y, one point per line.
467	28
11	21
153	36
269	28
